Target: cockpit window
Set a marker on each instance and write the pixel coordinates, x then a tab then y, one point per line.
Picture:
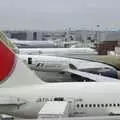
72	66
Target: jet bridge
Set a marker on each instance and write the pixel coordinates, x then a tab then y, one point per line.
54	109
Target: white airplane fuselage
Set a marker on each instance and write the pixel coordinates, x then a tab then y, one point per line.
58	66
85	99
59	51
34	44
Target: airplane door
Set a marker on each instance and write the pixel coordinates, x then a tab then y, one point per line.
29	60
77	106
71	105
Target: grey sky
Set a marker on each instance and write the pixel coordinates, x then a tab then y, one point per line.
58	14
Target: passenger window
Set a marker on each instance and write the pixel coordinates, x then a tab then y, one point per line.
94	105
90	105
102	105
110	105
98	105
106	105
82	105
114	105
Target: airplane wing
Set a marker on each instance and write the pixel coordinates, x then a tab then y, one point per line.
92	77
106	59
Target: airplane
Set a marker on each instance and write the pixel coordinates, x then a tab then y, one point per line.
23	95
58	51
59	66
33	44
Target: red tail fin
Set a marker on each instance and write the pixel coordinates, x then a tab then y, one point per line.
7	61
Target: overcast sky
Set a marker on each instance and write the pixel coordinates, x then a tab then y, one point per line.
58	14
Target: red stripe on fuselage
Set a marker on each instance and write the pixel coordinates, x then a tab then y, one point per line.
7	60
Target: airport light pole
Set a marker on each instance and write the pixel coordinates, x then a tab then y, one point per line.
98	33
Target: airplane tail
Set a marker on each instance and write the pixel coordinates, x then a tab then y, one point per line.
11	46
13	72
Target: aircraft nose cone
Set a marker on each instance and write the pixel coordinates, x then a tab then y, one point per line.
7	61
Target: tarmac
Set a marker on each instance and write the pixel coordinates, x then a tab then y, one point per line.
79	118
